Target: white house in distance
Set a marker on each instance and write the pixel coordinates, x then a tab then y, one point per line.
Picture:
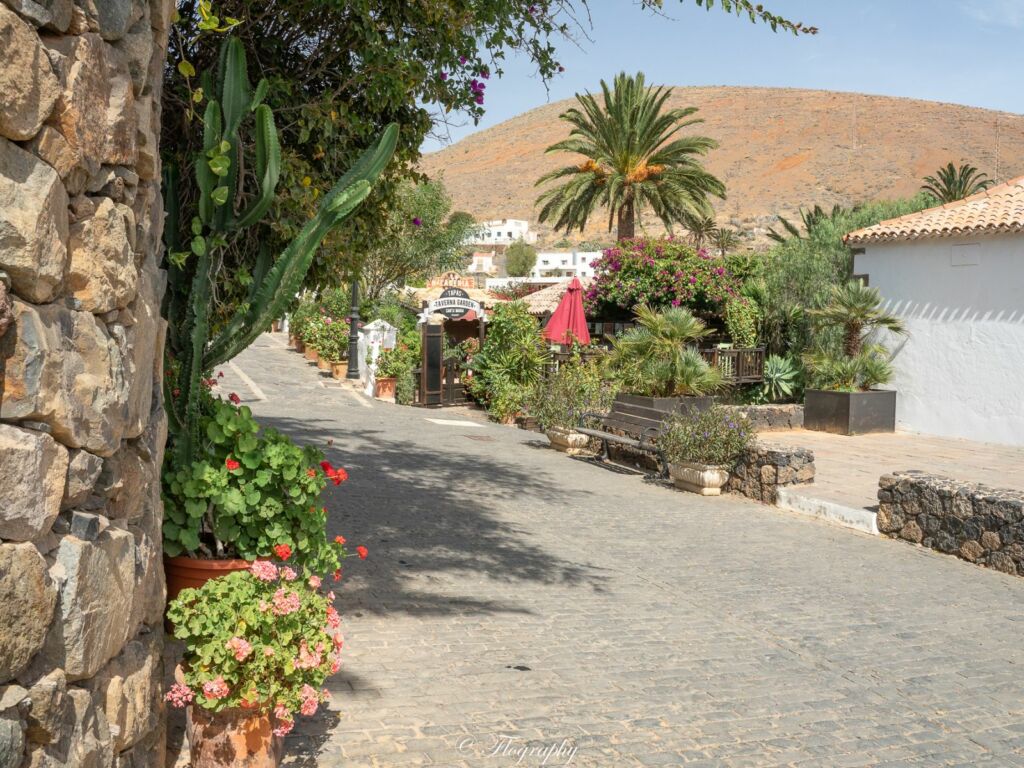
955	275
565	264
502	232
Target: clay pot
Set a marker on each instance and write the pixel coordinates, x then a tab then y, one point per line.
192	572
232	738
323	364
293	342
384	388
311	354
299	346
339	370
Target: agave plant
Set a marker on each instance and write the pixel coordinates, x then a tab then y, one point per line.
951	183
222	171
658	355
855	310
779	379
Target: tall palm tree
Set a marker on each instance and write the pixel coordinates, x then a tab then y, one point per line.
951	183
633	157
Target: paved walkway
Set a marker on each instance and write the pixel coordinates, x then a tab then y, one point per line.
848	468
518	598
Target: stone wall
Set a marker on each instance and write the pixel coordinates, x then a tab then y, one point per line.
82	427
980	524
764	468
773	417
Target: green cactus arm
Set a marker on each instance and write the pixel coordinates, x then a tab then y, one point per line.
205	178
284	279
370	163
189	385
268	167
236	93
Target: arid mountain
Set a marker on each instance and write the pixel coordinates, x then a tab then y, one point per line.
779	149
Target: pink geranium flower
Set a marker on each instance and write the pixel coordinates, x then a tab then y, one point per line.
240	647
263	570
216	688
180	695
285	602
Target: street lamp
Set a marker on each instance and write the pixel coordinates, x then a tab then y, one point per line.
353	333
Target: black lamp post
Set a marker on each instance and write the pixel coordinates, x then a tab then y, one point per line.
353	333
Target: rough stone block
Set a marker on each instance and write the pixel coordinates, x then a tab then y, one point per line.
971	550
83	472
84	738
33	224
67	372
912	532
129	690
27	599
102	273
94	603
111	18
54	15
50	708
990	540
28	87
34	467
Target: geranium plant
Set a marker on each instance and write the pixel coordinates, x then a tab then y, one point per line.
264	639
248	491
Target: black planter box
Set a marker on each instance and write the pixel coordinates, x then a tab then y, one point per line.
850	413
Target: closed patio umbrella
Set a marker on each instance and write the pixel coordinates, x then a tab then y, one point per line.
568	321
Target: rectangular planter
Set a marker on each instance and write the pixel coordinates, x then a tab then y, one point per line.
850	413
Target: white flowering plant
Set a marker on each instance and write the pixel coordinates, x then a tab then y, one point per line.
264	639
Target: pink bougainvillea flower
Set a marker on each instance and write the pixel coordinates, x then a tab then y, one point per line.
463	59
328	320
216	688
285	602
417	222
362	552
444	76
231	464
179	695
235	399
283	551
240	647
288	574
263	570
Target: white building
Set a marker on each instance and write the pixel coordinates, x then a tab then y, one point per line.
955	275
560	264
482	264
502	232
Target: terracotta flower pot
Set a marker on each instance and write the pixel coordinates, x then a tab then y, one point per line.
192	572
323	364
384	388
339	369
232	738
299	345
311	354
567	440
705	479
293	341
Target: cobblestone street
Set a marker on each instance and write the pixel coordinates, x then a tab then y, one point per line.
515	598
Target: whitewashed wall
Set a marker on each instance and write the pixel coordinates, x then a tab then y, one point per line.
961	371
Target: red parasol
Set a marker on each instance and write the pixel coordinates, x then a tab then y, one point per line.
568	322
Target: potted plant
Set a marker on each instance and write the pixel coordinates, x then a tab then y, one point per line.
701	448
258	645
390	365
563	396
245	493
333	341
303	313
848	366
312	334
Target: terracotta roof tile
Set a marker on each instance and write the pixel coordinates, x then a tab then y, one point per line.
997	210
546	299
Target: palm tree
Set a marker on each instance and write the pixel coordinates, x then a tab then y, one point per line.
725	240
701	229
658	355
633	158
810	219
951	183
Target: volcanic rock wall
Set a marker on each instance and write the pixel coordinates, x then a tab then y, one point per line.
82	427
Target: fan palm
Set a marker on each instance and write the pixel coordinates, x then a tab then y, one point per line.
951	183
633	158
658	356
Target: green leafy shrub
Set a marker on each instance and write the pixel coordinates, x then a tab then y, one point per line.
717	437
304	311
248	491
657	357
741	321
511	361
332	339
263	639
577	387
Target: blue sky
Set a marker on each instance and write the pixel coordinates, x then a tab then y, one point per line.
961	51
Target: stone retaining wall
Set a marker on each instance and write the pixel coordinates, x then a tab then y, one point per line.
764	468
769	418
82	427
980	524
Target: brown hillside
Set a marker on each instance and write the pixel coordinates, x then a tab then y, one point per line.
780	149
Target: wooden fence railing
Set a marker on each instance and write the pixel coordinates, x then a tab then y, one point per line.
739	366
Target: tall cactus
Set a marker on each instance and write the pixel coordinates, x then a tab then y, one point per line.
220	176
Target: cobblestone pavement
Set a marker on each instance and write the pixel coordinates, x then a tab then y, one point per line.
514	593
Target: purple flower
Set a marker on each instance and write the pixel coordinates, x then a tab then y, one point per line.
479	98
463	59
416	222
444	75
693	279
485	74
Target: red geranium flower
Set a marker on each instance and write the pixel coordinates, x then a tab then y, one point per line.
337	575
231	464
362	552
339	476
283	551
234	398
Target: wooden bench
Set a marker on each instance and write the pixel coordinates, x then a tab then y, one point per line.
642	419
